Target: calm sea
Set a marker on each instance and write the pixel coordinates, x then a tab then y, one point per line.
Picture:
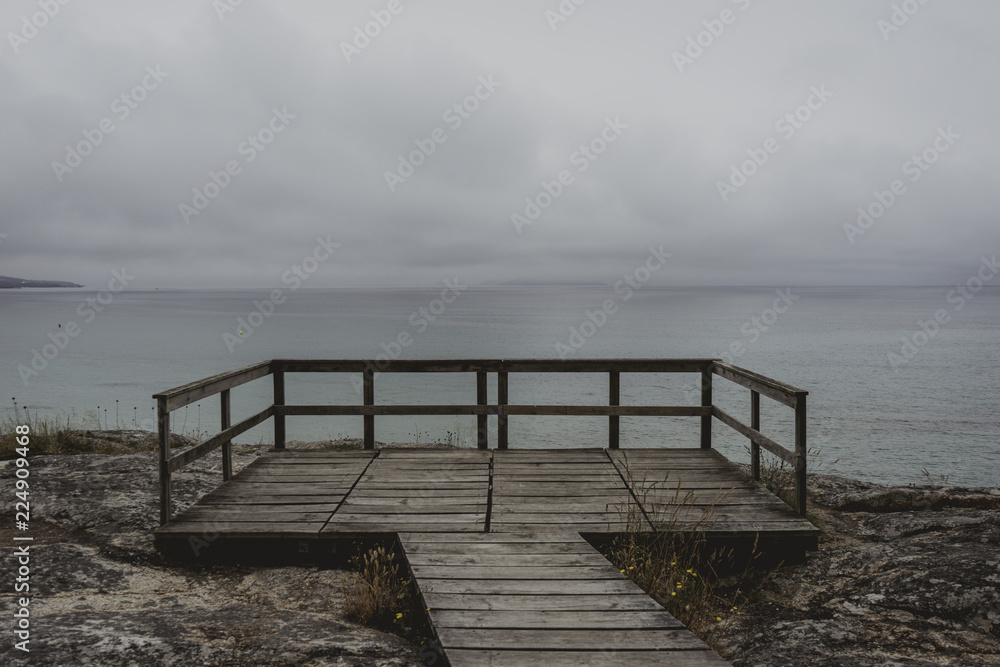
933	407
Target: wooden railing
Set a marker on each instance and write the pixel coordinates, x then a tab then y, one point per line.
759	385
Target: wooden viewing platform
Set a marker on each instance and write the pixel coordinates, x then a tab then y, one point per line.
495	538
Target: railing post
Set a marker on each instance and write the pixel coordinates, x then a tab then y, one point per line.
706	401
279	399
501	412
614	398
800	454
369	391
755	425
227	447
163	431
482	434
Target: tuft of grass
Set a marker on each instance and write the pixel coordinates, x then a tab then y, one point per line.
381	596
672	562
373	597
54	435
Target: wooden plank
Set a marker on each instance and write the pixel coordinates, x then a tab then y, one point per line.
494	548
242	528
504	560
190	454
609	410
387	528
348	515
492	573
550	536
186	394
539	658
370	411
778	391
244	516
601	640
756	436
527	586
559	602
361	492
392	503
565	620
267	508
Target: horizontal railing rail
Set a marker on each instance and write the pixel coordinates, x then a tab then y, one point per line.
482	409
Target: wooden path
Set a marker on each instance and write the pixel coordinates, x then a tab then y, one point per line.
541	598
494	537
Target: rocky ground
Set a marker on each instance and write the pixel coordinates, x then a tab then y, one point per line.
102	595
904	576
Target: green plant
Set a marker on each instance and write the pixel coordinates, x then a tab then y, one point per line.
671	560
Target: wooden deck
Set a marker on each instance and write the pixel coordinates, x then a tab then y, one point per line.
495	540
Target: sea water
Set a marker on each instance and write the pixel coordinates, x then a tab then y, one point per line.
903	382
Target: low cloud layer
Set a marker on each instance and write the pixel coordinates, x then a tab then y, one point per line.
211	144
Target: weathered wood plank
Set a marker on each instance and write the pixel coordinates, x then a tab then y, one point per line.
778	391
550	620
550	536
186	394
495	548
527	587
637	600
601	640
504	560
492	573
539	658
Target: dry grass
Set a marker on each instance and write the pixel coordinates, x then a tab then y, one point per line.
374	594
380	596
73	435
673	563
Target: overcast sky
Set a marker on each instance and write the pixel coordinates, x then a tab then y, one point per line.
339	110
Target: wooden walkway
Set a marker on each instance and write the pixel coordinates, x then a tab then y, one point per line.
494	537
541	598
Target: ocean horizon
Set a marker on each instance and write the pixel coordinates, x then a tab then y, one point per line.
902	380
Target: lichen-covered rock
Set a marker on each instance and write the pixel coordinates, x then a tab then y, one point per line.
102	595
904	576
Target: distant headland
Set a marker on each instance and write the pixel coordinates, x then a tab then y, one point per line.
6	282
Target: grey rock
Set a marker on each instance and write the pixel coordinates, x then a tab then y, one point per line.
903	576
102	595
